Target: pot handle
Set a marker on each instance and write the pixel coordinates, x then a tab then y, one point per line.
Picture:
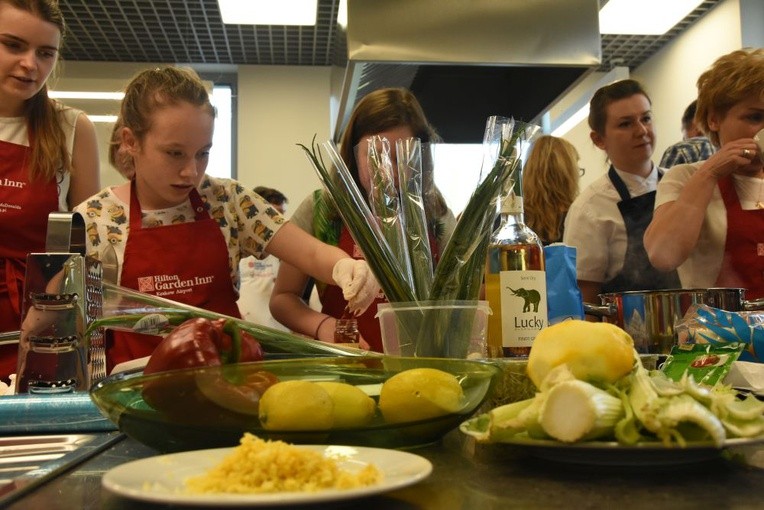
605	310
754	304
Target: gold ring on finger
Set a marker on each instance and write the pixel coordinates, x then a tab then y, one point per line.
746	153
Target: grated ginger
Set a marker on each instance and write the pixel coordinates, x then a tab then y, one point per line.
257	466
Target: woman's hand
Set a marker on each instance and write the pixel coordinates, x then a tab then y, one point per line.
359	287
739	156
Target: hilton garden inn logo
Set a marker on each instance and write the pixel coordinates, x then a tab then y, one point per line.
170	284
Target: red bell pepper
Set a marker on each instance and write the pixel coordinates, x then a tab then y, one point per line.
202	342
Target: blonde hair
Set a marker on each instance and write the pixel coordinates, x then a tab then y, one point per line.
154	89
550	184
730	79
118	156
49	156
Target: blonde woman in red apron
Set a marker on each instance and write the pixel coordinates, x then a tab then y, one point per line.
392	113
48	153
709	216
180	234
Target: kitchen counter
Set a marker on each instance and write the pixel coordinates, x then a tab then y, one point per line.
470	476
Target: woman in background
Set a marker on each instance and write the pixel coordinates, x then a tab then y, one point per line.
709	216
395	114
48	152
179	233
607	221
550	184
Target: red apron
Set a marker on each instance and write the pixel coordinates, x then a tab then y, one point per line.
333	303
743	263
24	209
185	262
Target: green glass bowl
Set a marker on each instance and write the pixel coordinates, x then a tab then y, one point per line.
193	410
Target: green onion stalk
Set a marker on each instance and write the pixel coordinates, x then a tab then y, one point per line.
360	222
459	274
409	155
128	309
385	203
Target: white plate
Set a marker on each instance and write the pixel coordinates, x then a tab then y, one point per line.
161	479
606	453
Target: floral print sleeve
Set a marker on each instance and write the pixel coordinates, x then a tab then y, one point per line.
247	221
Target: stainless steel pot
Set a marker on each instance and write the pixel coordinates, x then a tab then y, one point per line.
650	316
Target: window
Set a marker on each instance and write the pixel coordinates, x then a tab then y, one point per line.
221	163
457	172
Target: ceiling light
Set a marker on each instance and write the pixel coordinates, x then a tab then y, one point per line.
268	12
643	17
342	14
72	94
103	118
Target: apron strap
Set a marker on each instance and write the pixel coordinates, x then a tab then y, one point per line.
620	186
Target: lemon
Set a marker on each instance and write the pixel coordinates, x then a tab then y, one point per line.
593	351
419	394
296	405
352	407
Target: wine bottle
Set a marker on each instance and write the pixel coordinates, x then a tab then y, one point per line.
515	280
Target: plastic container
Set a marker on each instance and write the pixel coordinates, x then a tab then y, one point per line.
451	329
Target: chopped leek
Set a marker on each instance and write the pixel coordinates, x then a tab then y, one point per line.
577	411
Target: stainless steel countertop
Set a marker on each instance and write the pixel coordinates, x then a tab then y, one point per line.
470	476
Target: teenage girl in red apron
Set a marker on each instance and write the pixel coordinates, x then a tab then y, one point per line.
37	151
149	257
24	218
166	130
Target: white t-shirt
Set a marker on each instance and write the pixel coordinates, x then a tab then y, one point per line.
257	279
701	269
595	227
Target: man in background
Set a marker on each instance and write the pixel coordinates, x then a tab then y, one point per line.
258	276
694	145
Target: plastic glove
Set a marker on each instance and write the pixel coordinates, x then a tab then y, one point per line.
359	287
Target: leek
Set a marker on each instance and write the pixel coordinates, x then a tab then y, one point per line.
361	223
124	308
409	157
577	411
386	205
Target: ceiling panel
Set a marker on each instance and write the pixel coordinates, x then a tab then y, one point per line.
192	32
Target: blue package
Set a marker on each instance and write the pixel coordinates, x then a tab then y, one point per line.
563	296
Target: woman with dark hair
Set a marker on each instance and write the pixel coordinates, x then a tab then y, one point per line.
709	216
395	114
48	152
608	219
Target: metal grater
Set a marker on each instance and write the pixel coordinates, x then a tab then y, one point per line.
63	295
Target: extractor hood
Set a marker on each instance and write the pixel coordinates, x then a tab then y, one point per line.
465	59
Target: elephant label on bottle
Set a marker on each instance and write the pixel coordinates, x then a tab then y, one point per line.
523	306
